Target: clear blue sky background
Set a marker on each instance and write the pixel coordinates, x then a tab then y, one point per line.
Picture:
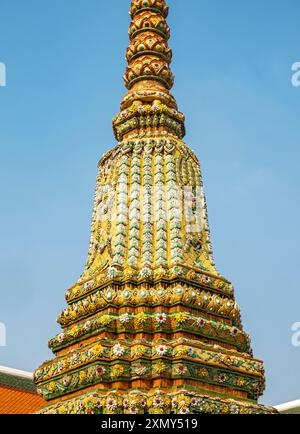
232	61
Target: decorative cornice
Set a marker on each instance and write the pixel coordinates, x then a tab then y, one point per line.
159	322
203	301
137	402
180	358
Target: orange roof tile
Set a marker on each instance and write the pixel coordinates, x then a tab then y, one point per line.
16	401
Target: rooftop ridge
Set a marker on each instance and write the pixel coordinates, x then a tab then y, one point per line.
16	372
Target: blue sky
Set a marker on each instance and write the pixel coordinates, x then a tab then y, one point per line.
232	62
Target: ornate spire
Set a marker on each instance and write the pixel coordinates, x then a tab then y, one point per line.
151	326
148	105
149	55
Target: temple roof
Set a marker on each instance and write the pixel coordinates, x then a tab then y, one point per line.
292	407
17	392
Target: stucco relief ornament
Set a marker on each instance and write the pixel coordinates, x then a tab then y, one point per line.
118	350
194	242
